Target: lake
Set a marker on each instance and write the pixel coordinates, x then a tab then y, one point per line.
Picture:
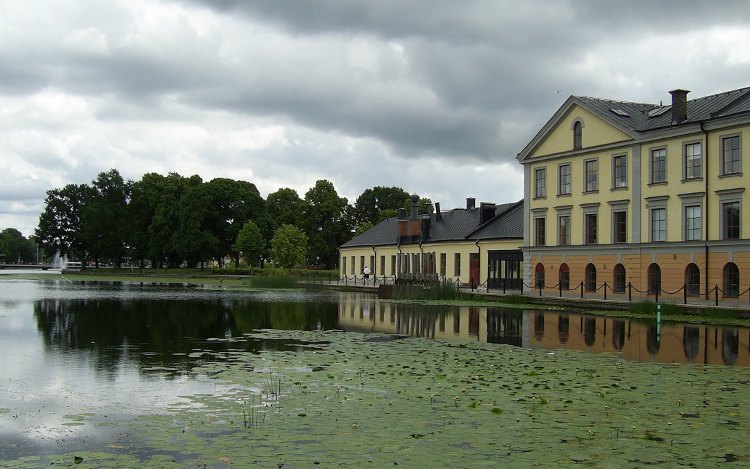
106	370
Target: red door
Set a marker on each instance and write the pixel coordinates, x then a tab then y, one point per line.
474	270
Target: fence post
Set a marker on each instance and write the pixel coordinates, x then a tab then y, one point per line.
605	289
504	286
540	288
559	286
630	292
716	295
581	290
658	289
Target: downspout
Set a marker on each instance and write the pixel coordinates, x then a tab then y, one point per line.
479	262
374	262
705	236
421	258
400	261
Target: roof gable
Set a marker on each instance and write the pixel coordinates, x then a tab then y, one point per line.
604	122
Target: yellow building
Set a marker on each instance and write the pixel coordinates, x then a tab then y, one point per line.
644	198
479	246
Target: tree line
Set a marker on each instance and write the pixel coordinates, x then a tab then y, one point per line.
171	220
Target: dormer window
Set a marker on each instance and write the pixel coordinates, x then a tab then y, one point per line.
577	135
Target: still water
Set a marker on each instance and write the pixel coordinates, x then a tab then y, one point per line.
77	355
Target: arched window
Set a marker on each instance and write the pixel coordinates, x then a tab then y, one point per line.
577	135
654	279
731	279
590	277
619	278
692	280
564	276
539	275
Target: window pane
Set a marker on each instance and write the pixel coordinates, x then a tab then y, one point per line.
621	227
541	182
564	230
731	155
693	161
539	231
565	179
590	228
659	224
731	220
659	165
620	169
693	223
592	175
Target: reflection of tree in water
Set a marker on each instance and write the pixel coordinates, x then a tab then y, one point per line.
691	342
730	345
504	327
151	332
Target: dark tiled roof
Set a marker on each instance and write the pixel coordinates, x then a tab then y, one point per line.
635	116
455	225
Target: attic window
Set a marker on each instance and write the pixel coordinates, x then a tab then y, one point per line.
656	112
619	112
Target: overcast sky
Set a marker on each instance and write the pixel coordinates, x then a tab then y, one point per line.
437	97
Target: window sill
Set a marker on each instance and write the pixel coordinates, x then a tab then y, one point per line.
568	194
622	188
660	183
729	175
698	179
594	191
539	197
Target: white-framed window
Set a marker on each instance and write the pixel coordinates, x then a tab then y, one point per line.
619	171
730	212
658	165
539	231
620	226
731	157
591	172
693	223
693	160
590	226
563	230
540	182
565	183
658	221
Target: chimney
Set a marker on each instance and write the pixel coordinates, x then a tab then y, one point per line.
486	212
679	106
438	214
470	203
414	205
425	228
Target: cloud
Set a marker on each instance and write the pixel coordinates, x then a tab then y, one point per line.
433	96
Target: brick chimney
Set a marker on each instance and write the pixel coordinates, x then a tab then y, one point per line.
679	106
470	203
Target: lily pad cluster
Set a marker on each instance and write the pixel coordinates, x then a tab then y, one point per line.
346	400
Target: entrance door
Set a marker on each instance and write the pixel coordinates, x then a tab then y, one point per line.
474	269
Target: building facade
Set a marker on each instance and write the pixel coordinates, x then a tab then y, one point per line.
640	199
478	246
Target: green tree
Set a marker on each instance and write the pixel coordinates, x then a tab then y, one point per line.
285	207
104	217
14	247
234	204
289	246
326	222
251	242
61	225
370	205
153	216
194	239
424	206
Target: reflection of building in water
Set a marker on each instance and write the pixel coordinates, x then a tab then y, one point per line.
626	338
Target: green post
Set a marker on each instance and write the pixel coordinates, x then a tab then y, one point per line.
658	320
